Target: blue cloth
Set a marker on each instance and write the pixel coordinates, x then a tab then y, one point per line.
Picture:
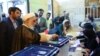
56	30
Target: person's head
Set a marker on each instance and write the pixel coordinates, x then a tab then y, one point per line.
66	23
88	26
30	19
14	12
88	30
48	15
90	18
40	11
3	15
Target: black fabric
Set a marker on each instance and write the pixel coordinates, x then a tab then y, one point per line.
6	32
96	52
88	26
20	22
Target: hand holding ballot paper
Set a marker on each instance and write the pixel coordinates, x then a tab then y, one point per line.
47	37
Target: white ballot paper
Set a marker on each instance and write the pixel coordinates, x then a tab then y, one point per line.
77	42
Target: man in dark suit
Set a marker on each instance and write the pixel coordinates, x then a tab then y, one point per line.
7	29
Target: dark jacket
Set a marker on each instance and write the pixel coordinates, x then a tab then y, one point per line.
97	50
6	33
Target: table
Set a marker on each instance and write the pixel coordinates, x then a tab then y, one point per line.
64	50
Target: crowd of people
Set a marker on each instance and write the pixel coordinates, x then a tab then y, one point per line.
91	39
17	33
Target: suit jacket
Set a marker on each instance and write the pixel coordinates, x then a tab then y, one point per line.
23	37
6	33
42	24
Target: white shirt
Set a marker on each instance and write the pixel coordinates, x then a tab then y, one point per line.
14	23
39	20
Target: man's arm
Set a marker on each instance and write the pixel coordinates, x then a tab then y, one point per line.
47	37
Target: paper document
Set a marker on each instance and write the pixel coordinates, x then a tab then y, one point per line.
77	42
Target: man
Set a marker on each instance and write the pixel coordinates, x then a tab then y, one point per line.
58	28
91	20
26	35
3	17
48	20
41	21
65	26
7	29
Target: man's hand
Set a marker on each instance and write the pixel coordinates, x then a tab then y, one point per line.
54	37
87	52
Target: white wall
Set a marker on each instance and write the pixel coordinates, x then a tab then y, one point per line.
23	8
6	5
76	9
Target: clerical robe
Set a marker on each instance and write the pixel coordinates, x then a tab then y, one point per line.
24	37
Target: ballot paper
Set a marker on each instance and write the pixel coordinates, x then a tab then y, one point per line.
76	44
72	49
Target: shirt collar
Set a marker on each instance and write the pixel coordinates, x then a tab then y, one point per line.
12	20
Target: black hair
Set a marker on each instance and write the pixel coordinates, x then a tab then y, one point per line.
89	32
88	26
48	13
13	9
40	10
91	18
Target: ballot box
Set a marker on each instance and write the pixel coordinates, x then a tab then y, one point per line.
37	50
58	43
